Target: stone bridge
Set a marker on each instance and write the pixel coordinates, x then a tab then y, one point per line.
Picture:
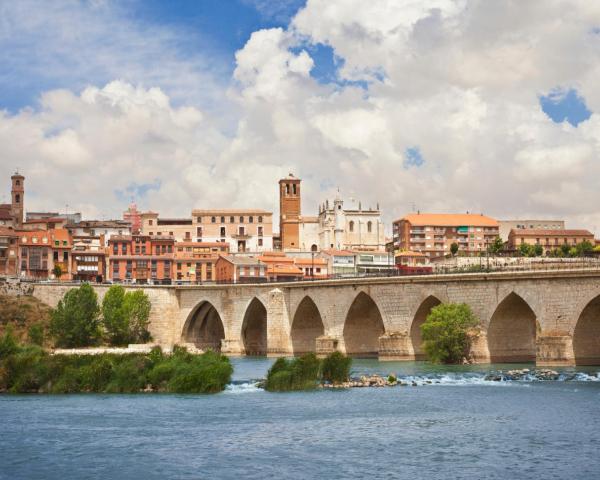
551	317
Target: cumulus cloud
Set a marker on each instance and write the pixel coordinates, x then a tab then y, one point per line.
458	81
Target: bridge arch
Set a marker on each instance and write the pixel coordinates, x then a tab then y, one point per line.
512	331
254	328
204	327
419	318
362	327
307	325
586	336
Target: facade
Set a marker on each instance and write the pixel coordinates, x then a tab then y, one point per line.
339	262
548	239
9	250
70	217
238	269
89	258
95	228
335	227
134	217
196	261
434	233
312	268
48	223
40	251
412	262
141	259
507	225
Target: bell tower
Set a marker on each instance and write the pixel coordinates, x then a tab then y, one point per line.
289	212
17	199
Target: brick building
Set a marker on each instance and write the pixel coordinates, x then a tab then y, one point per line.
548	239
238	269
434	233
9	251
196	261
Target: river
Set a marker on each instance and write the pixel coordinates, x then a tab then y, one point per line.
461	427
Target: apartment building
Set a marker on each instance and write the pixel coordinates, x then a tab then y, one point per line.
39	251
141	259
507	225
434	233
88	258
238	269
196	261
9	251
548	239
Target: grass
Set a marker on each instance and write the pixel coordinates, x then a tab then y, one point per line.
26	316
306	372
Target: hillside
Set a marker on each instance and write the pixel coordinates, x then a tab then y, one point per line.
22	312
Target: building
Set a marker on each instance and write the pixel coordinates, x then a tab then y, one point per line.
408	262
238	269
374	263
11	214
134	217
47	223
141	259
69	217
196	261
335	227
88	258
339	262
434	233
280	268
9	251
244	230
507	225
312	268
95	228
548	239
40	251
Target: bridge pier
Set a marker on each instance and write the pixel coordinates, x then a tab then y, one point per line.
396	346
554	350
324	345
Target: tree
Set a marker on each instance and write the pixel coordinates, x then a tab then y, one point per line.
525	249
137	309
538	250
564	248
454	248
126	316
116	324
446	332
584	247
75	321
496	246
57	271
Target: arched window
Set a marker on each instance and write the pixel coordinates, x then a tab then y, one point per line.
351	226
313	248
369	226
287	188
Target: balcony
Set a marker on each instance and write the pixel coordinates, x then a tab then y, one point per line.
241	236
419	230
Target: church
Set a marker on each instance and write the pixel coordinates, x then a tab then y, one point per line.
335	227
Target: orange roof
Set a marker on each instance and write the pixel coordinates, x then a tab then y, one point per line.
39	235
408	253
284	269
309	261
449	220
346	253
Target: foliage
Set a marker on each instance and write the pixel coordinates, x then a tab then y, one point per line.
335	367
125	316
527	250
597	248
445	332
8	343
454	248
584	247
564	248
75	321
392	378
36	334
496	246
57	271
300	373
28	368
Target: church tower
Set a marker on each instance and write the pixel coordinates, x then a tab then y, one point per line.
18	198
289	212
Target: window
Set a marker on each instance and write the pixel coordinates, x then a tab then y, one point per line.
250	219
260	219
294	188
287	188
123	249
351	226
169	248
17	198
241	219
213	219
18	182
260	231
260	242
151	233
231	220
369	226
55	256
150	222
222	231
199	231
242	231
222	219
65	256
199	219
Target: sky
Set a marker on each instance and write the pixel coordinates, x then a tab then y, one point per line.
438	105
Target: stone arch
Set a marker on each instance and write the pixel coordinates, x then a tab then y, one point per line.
307	325
418	320
363	327
512	331
586	337
204	327
254	328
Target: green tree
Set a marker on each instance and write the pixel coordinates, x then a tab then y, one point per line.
538	250
496	246
446	332
564	248
57	271
525	249
137	308
75	321
36	334
114	318
454	248
597	248
573	252
584	247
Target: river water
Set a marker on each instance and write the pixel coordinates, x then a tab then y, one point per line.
461	427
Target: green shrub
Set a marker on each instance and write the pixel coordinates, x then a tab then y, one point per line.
445	332
302	373
75	321
36	334
336	367
8	343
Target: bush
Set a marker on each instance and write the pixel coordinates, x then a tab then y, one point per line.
445	332
302	373
336	367
8	343
75	321
36	334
